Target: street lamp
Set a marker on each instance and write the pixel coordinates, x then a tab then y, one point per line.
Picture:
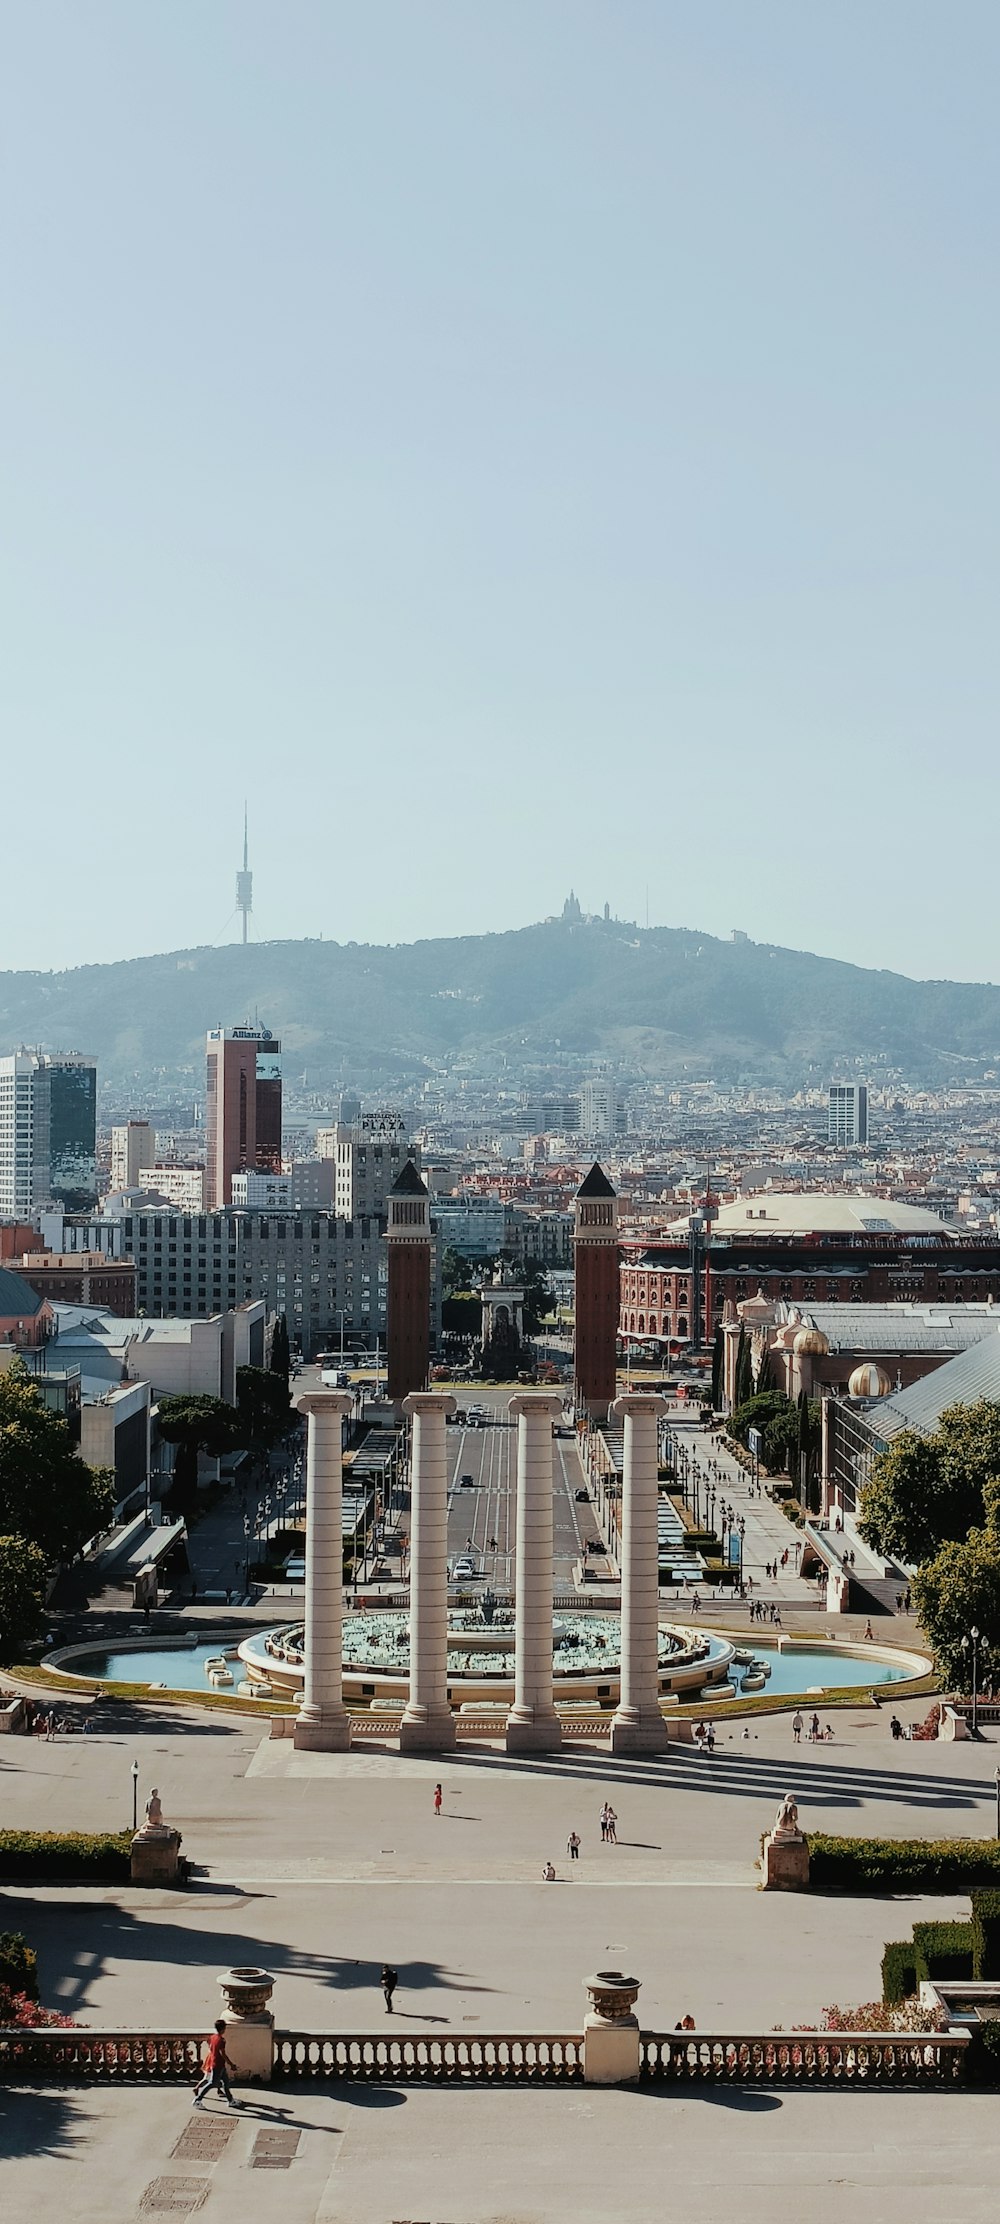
135	1795
971	1645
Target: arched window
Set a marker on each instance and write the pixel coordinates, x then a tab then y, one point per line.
682	1326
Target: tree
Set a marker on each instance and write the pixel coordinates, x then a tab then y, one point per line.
718	1363
47	1494
263	1406
456	1271
539	1302
925	1491
197	1424
743	1385
281	1358
22	1594
810	1438
956	1591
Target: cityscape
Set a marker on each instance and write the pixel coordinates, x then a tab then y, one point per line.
499	1115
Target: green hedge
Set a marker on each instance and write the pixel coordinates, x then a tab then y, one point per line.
899	1971
901	1864
943	1950
986	1932
982	2056
18	1964
87	1856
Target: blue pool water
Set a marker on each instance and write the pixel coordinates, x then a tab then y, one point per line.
180	1667
798	1669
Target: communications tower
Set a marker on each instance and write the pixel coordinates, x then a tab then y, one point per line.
244	884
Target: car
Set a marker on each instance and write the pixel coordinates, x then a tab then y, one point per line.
468	1482
595	1544
582	1497
464	1569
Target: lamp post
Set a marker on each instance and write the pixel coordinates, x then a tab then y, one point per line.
135	1796
970	1645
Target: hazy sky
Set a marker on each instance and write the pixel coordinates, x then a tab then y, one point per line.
516	442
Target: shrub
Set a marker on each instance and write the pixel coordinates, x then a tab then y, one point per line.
901	1864
899	1971
20	2011
91	1857
982	2059
943	1950
18	1964
986	1932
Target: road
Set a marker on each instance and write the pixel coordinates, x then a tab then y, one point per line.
487	1511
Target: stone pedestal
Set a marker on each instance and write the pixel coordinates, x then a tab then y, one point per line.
638	1726
785	1861
249	2023
155	1856
532	1724
322	1725
428	1724
611	2030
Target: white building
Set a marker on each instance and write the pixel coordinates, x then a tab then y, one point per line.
182	1186
262	1192
371	1154
133	1147
847	1116
48	1132
599	1109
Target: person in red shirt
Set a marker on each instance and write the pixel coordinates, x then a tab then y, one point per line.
216	2068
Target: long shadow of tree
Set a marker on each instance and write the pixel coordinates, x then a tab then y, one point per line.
38	2124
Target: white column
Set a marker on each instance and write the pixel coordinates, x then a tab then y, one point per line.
322	1724
638	1725
533	1724
428	1725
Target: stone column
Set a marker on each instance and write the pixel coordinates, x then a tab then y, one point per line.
428	1725
322	1724
533	1724
638	1725
611	2030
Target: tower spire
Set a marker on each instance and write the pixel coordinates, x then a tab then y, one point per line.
244	883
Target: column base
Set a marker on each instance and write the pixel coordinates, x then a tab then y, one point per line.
533	1733
427	1730
638	1730
322	1730
610	2050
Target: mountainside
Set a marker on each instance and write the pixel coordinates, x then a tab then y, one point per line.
662	1001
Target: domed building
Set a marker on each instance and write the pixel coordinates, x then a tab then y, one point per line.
869	1381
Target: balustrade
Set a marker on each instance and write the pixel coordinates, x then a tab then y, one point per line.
415	2059
112	2057
802	2058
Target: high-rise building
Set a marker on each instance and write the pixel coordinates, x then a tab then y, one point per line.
847	1117
371	1153
599	1109
48	1132
133	1146
243	1122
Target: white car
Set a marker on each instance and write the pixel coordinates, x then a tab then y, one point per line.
464	1568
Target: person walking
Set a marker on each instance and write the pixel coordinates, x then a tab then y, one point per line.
604	1822
438	1799
797	1729
216	2067
389	1980
573	1845
612	1827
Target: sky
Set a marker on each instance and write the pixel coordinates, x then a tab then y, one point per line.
515	446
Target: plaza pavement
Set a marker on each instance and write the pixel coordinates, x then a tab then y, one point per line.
322	1866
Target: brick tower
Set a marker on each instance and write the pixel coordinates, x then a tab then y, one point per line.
596	1298
409	1239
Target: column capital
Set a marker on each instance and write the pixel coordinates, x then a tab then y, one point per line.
638	1401
546	1403
333	1403
430	1401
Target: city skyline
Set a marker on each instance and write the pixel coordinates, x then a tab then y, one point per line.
531	426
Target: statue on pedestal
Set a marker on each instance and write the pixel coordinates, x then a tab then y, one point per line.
786	1821
154	1811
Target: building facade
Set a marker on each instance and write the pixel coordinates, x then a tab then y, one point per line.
48	1132
133	1146
243	1108
847	1115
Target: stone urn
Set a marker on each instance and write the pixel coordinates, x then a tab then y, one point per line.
612	1995
246	1993
611	2030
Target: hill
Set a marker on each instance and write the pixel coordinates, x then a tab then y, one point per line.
661	1000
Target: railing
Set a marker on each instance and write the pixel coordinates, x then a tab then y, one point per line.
112	2057
411	2059
803	2058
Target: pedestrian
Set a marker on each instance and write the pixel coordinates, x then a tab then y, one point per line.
797	1729
216	2068
389	1980
438	1799
869	1632
814	1729
604	1822
549	1873
612	1827
573	1845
